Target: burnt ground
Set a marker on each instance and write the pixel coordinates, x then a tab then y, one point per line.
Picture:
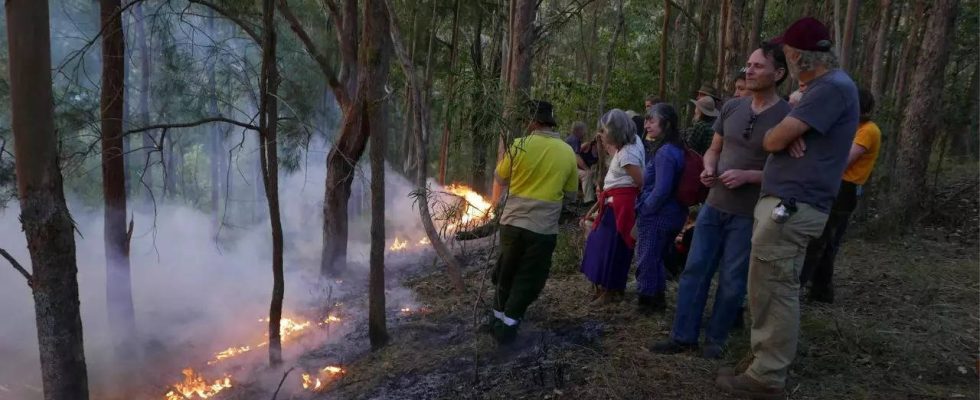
905	326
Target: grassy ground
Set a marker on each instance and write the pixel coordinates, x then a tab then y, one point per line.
905	326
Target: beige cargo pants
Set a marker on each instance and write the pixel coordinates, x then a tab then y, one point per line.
778	251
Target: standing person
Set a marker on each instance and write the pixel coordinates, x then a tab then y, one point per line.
659	215
609	247
819	264
800	181
540	171
707	90
575	141
651	101
723	231
698	136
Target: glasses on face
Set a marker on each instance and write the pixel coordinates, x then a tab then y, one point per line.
748	129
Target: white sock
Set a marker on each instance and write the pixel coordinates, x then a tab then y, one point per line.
509	321
498	314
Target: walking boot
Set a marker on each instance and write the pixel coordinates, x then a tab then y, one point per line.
671	346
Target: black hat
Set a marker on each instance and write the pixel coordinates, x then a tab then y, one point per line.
542	112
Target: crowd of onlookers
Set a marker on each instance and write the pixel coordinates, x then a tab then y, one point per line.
757	190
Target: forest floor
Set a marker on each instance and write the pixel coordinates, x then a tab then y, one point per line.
904	326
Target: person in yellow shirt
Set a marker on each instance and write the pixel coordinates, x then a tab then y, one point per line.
540	172
818	269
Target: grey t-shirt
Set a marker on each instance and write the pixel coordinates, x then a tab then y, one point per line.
739	152
830	107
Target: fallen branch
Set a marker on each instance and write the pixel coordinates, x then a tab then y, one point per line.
18	267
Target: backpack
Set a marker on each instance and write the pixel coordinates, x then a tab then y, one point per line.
690	190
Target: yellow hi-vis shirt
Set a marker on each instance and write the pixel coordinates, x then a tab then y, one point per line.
541	168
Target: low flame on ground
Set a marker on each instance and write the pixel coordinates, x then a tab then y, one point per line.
398	245
323	376
195	386
412	311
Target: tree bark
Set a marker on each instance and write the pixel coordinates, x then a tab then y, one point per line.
664	42
881	42
149	142
374	64
850	27
699	50
734	56
758	17
921	122
478	142
723	18
610	56
44	217
119	290
269	158
214	143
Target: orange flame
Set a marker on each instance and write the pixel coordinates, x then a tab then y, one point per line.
478	208
195	387
398	245
323	376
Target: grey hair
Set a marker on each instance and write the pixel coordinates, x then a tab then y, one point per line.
810	59
619	128
579	126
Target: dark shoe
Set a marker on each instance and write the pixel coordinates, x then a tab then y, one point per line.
671	346
744	386
651	304
821	295
487	326
712	351
504	334
740	320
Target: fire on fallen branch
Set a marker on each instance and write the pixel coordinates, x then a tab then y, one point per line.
18	267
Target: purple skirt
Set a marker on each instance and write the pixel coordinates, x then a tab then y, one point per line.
607	259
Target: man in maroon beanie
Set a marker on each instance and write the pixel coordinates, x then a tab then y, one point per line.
808	152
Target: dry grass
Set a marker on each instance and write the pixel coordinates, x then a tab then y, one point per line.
905	326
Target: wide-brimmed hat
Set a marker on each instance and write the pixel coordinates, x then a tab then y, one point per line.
806	33
708	90
543	112
707	106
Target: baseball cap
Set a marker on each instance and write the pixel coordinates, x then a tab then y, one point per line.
806	33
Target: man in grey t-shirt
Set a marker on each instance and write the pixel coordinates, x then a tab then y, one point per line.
800	180
723	232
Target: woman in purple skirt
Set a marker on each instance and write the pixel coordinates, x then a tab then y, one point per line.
609	247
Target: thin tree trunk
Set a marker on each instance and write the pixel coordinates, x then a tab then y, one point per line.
835	28
699	50
269	159
215	150
447	119
734	56
758	16
850	27
478	143
723	18
664	42
620	22
149	143
44	215
119	290
421	135
881	42
921	122
375	61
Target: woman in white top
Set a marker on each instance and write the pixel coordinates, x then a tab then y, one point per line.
609	247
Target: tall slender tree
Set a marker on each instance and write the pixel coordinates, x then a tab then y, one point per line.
850	26
44	216
119	291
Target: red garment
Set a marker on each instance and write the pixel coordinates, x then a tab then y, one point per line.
624	208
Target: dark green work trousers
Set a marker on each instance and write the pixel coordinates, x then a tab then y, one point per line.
522	269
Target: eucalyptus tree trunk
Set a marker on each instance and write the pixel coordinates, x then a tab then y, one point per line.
758	17
735	55
850	27
269	158
119	289
704	20
44	215
921	122
722	40
664	42
451	95
374	63
620	22
881	42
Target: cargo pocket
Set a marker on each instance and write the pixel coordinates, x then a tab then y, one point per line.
779	265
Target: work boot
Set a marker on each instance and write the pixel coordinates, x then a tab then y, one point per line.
649	305
671	346
504	334
745	386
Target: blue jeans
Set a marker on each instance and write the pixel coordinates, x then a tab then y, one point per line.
720	239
